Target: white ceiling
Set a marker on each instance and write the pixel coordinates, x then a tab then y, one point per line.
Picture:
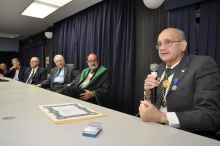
12	22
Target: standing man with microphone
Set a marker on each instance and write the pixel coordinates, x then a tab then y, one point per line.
188	88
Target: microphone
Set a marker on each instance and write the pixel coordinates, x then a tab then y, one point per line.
154	68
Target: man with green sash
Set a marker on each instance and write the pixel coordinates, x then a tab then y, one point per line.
92	84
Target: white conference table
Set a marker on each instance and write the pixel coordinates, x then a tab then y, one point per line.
31	127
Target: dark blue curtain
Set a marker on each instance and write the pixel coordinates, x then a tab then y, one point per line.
210	30
184	19
106	29
207	41
36	49
173	4
6	57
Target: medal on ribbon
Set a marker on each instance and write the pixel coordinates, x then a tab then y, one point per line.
164	103
175	81
166	83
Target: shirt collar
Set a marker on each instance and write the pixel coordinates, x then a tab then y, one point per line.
173	65
35	69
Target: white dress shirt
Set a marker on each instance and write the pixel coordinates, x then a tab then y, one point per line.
16	74
171	116
60	78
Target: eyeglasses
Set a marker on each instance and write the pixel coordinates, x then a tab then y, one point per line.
33	61
166	43
90	61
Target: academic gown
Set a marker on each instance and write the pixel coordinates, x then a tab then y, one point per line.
100	84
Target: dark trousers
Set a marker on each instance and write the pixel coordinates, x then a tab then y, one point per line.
75	93
57	87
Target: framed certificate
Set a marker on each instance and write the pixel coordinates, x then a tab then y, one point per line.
69	112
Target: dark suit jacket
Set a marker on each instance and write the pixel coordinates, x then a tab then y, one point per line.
39	76
70	72
196	101
12	72
4	74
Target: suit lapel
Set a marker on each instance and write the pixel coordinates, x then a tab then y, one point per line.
20	72
29	71
54	72
35	74
180	71
65	71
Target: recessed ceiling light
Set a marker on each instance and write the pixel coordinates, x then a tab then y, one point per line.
43	8
6	35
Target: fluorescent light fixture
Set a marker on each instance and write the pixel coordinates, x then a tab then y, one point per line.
43	8
6	35
59	3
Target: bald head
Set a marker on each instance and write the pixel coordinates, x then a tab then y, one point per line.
171	45
34	62
177	33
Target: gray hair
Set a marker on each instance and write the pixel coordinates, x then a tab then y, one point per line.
14	59
58	55
180	34
36	58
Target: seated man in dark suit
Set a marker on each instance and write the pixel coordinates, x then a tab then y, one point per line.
92	84
188	88
3	69
35	74
16	72
60	76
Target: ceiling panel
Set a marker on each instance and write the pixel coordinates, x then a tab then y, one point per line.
12	22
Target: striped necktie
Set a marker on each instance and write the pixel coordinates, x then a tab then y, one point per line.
30	78
161	89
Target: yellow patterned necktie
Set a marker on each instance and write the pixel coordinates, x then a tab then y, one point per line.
161	90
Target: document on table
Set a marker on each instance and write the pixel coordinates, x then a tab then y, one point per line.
69	112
